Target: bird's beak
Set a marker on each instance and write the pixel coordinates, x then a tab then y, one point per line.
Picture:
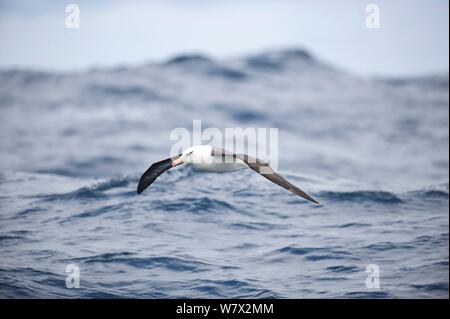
177	162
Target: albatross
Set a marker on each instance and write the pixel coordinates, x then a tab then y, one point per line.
214	159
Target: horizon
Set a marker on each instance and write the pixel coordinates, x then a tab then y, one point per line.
413	44
162	61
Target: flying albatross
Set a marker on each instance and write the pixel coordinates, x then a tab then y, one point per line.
214	159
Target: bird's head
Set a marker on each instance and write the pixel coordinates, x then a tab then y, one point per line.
194	154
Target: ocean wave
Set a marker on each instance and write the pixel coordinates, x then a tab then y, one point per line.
94	191
228	74
356	225
190	59
91	213
193	205
201	64
127	184
362	196
369	294
178	264
311	253
8	240
279	60
429	194
98	92
256	226
11	237
384	246
229	289
438	286
28	282
344	269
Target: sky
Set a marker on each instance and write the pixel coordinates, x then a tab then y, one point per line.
412	38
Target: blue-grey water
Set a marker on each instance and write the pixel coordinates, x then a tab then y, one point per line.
373	151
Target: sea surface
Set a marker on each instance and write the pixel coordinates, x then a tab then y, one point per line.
373	151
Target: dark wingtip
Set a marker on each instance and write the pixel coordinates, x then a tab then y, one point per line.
311	199
141	186
305	196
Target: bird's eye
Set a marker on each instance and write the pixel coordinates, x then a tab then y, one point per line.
190	153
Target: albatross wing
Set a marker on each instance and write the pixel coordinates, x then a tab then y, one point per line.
265	170
152	173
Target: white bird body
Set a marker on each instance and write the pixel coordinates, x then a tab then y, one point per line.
219	167
201	158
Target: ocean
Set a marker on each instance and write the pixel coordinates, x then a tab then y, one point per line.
373	151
